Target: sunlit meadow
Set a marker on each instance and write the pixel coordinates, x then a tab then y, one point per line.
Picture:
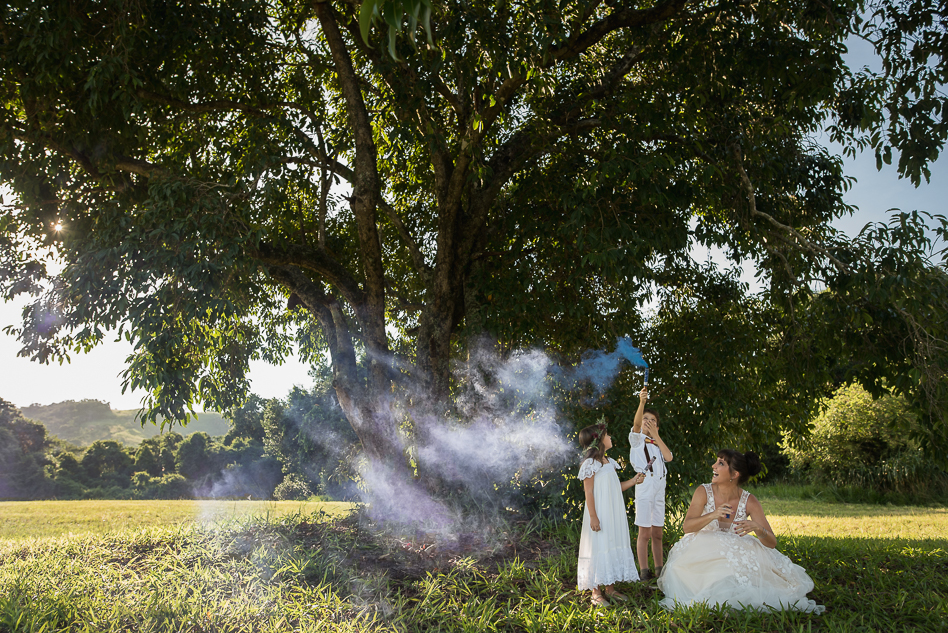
256	566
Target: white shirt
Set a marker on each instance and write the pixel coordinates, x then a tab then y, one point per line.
637	456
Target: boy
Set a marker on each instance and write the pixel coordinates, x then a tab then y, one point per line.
648	455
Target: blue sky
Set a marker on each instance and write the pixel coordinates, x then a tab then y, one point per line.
96	375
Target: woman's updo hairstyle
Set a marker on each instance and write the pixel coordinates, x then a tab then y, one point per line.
745	464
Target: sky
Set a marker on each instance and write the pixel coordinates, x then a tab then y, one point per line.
97	375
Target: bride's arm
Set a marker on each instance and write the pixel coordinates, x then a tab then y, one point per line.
694	520
757	524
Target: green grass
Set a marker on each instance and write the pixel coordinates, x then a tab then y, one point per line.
301	572
42	519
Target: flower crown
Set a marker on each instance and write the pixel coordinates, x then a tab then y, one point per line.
600	430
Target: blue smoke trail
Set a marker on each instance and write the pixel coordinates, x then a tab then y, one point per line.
600	368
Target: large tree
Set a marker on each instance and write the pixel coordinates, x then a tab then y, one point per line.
199	167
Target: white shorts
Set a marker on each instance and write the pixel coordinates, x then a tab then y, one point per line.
650	504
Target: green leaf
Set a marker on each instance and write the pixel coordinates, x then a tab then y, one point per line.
367	12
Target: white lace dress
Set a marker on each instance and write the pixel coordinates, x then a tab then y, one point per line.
718	567
605	556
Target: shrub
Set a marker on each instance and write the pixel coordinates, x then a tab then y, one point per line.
865	443
292	488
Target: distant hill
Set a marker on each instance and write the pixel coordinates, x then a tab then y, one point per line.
86	421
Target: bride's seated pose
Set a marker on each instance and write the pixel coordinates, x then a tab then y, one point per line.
719	562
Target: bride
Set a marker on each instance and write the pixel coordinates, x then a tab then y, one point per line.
718	562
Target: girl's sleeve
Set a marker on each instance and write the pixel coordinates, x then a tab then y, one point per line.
615	463
588	468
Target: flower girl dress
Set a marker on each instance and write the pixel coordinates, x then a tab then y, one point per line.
605	556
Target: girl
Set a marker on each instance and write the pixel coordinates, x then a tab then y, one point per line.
605	550
717	562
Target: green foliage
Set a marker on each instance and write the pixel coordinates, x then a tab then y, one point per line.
292	488
901	109
146	461
391	12
23	446
171	486
246	420
191	458
790	488
866	443
538	174
164	447
107	463
308	440
312	439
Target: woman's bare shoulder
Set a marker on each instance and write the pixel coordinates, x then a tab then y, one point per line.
753	502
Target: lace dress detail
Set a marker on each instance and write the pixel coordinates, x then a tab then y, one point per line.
718	567
605	556
739	515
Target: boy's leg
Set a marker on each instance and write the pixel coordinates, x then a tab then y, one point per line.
657	555
641	548
643	520
658	525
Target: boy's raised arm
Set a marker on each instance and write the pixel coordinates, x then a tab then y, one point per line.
640	412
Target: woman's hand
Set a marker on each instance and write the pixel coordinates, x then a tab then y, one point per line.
724	513
594	524
743	528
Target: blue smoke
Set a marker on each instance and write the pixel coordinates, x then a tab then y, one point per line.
601	368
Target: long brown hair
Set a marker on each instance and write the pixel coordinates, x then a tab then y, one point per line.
590	438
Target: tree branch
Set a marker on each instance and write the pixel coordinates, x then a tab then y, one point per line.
618	19
120	162
316	260
801	240
420	265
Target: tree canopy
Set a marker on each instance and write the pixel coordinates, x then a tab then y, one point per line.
217	176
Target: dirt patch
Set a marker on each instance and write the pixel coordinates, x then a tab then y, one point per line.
361	546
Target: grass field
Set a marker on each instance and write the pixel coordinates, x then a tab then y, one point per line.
237	567
806	518
41	519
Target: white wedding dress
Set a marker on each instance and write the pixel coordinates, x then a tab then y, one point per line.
718	567
605	556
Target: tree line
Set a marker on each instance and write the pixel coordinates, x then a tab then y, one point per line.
300	446
291	448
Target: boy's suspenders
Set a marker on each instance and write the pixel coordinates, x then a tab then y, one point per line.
648	457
